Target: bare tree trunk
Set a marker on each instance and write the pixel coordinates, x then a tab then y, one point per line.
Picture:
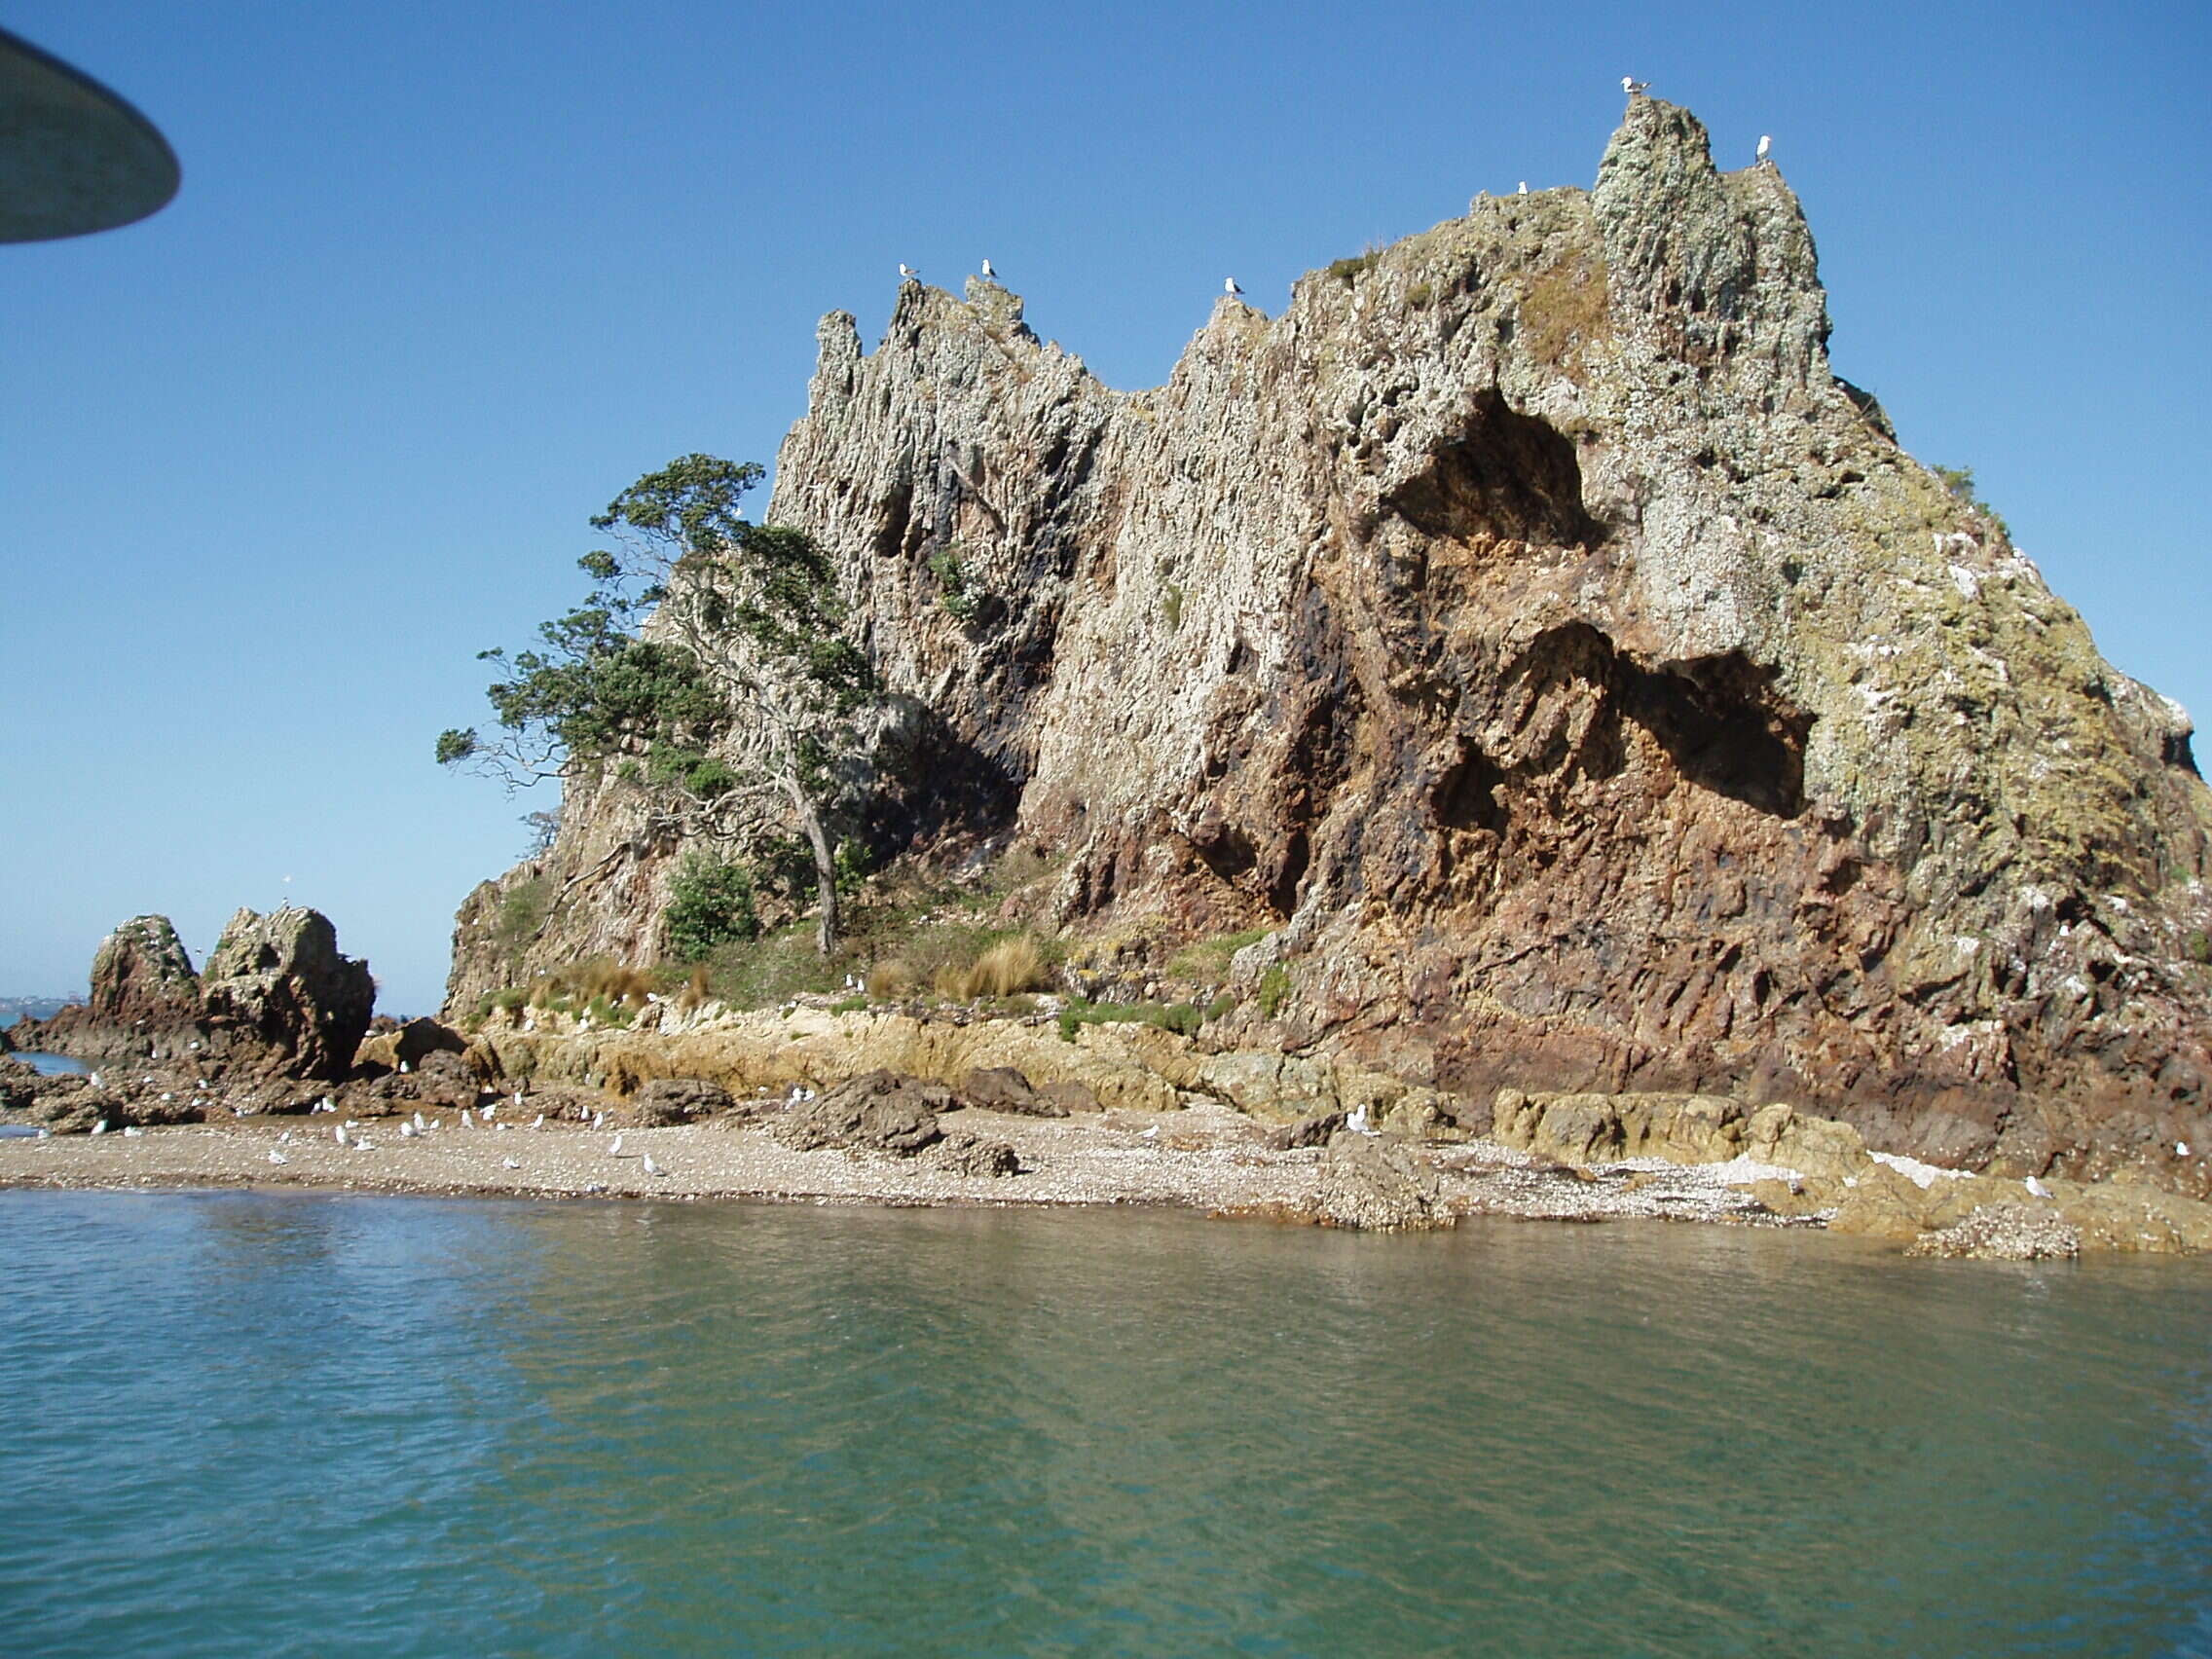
825	869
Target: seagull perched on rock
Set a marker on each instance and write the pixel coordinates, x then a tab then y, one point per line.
1633	87
1523	190
100	1127
131	1132
1152	1133
908	271
466	1121
2181	1149
989	276
1358	1123
408	1132
512	1163
419	1124
338	1133
616	1151
2036	1189
539	1124
1766	144
275	1157
1228	286
652	1168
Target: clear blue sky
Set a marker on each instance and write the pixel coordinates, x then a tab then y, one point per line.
275	463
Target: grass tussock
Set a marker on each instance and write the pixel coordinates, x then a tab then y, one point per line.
1566	309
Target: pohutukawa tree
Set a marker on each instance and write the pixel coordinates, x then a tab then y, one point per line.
710	666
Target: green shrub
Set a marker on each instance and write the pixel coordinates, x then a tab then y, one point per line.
1208	958
1274	986
1959	481
1181	1018
522	912
1221	1007
1420	296
2198	946
953	589
1351	270
851	1004
710	903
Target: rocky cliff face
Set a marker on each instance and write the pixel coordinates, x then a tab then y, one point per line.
1531	629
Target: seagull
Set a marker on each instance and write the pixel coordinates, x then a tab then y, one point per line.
989	276
518	1100
540	1123
408	1132
1766	144
652	1168
100	1127
1228	286
95	1079
489	1110
419	1124
275	1157
1524	188
908	271
466	1121
284	1139
1152	1133
404	1068
131	1132
1358	1122
599	1120
616	1151
2036	1189
2181	1149
1632	85
338	1131
512	1163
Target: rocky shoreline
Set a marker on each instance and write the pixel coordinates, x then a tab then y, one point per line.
920	1104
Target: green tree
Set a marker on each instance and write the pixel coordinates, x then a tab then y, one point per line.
710	664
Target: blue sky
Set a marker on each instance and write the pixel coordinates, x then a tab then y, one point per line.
442	279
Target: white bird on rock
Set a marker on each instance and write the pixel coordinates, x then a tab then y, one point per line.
338	1133
1523	190
275	1157
419	1124
989	276
652	1168
1228	286
489	1110
100	1127
513	1163
131	1132
616	1151
408	1132
2036	1189
1632	85
2181	1149
599	1120
908	271
540	1123
466	1121
1358	1123
1766	144
1152	1133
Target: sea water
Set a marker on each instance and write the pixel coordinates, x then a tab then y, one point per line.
312	1425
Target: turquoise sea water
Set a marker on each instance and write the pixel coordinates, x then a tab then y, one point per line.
277	1424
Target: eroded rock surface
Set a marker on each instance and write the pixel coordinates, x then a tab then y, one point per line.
880	1111
1530	630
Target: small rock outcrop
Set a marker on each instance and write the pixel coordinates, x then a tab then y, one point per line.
277	997
1002	1088
275	1001
1373	1185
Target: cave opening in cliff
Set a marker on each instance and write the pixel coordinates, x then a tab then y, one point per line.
1506	476
1725	732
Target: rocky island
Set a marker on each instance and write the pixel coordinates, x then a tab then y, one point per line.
1512	729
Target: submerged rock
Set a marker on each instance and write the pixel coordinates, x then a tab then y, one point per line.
2003	1233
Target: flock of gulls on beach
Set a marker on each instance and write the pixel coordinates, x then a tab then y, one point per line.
1629	85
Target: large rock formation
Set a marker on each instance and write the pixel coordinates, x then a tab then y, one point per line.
276	1000
1531	629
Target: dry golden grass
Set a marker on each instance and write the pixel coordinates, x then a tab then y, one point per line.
1012	964
889	979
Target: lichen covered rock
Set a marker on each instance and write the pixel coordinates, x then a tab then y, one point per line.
1531	633
277	997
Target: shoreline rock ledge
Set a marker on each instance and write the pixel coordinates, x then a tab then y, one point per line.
1531	634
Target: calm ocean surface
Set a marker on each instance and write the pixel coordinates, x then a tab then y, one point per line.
300	1424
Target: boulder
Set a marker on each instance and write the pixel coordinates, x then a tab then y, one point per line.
278	999
1379	1186
880	1111
961	1153
1308	1131
1002	1088
672	1100
408	1044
